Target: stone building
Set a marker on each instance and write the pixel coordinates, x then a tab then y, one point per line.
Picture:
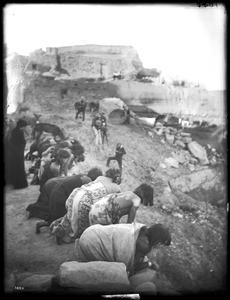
89	61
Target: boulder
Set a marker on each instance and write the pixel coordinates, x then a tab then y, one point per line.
37	283
159	131
179	144
143	276
168	200
191	167
110	104
199	152
193	160
172	162
162	165
180	157
167	130
185	134
94	276
147	288
186	139
177	136
189	182
169	138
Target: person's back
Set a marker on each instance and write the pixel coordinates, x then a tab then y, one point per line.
127	200
47	174
108	243
110	186
109	209
61	192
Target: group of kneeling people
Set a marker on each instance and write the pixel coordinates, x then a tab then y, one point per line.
86	209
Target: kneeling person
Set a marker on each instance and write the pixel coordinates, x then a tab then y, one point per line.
109	209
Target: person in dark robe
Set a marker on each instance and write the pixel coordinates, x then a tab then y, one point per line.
51	201
15	174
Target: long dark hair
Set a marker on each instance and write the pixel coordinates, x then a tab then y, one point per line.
93	173
159	234
145	192
115	174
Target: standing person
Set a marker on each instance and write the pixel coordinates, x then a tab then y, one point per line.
78	205
104	129
15	165
96	125
120	151
109	209
126	243
80	108
127	113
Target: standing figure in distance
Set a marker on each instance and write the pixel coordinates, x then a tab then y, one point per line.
96	125
104	129
80	107
120	151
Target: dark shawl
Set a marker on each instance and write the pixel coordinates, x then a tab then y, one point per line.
15	167
54	193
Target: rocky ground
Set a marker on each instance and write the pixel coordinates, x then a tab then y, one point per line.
196	260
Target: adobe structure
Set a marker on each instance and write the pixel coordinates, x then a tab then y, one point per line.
88	61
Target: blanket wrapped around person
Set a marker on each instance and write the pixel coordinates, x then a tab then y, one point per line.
112	243
78	205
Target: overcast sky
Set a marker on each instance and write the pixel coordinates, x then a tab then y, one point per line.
185	41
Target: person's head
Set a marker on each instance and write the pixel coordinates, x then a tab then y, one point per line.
118	145
78	151
114	174
62	156
79	158
145	192
159	234
93	173
23	111
21	123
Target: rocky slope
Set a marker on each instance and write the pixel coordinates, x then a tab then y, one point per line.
196	260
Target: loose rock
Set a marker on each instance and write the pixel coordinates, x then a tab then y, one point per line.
95	276
199	152
172	162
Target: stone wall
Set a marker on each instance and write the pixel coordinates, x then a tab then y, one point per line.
91	61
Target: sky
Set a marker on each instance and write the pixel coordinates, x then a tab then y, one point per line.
183	41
